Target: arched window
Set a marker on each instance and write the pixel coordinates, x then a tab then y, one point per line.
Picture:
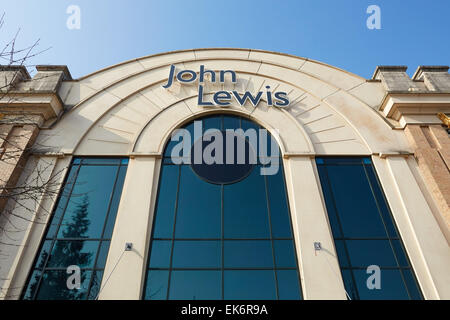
222	232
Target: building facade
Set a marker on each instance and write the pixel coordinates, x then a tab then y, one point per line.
94	206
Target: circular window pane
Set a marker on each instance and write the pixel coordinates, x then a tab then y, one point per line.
222	157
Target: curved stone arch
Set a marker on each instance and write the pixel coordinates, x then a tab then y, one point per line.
160	131
360	129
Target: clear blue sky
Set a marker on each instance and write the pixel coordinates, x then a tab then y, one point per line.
414	32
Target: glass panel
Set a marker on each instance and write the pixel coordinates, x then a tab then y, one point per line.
165	209
248	254
212	123
247	124
392	287
195	285
400	253
342	255
66	253
364	253
350	288
385	212
197	254
249	285
356	207
245	213
160	254
231	122
279	212
363	212
329	200
215	221
54	286
43	254
95	284
85	214
412	285
288	285
62	202
115	203
199	212
102	255
156	288
284	254
82	224
104	161
32	285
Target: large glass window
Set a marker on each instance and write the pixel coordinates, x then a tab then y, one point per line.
364	232
79	232
215	240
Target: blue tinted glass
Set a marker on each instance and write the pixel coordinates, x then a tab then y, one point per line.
32	285
351	187
279	212
199	211
62	202
88	204
329	200
212	123
102	254
364	253
115	203
400	253
248	124
248	254
231	122
54	286
245	213
350	288
385	212
249	285
229	221
156	288
195	285
104	161
341	252
284	254
95	284
124	161
355	204
391	288
169	147
197	254
165	209
66	253
160	254
288	285
412	285
86	212
43	254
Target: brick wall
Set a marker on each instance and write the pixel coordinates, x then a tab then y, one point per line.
15	142
431	145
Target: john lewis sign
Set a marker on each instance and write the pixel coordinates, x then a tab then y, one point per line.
224	98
